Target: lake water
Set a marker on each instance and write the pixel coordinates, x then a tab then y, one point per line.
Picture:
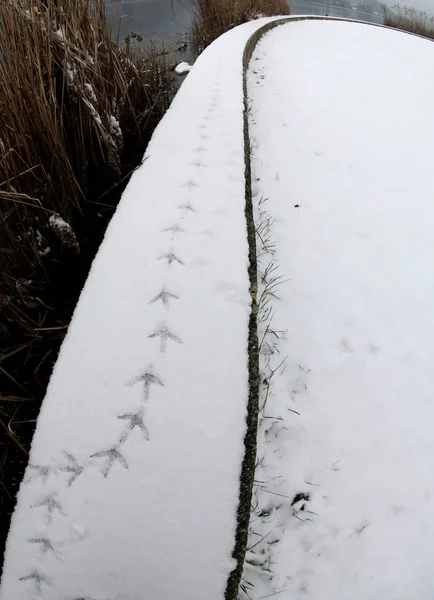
304	7
157	20
169	20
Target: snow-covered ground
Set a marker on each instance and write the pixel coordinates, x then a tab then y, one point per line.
183	68
343	118
133	483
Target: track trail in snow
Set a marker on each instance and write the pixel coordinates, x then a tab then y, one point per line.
133	484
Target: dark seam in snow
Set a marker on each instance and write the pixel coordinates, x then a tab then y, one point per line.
249	460
250	439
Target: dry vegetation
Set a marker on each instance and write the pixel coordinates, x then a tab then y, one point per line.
409	19
70	100
76	112
212	18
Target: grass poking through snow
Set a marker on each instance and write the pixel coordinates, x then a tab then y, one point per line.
266	507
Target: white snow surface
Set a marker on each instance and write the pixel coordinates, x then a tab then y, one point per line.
133	483
342	118
183	68
64	231
59	225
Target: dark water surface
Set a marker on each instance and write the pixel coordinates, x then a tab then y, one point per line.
306	7
169	20
160	21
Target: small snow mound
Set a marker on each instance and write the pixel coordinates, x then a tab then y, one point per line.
60	34
183	68
64	231
71	72
115	130
116	141
90	93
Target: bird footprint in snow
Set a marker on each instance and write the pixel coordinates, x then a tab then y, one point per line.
148	378
164	296
112	455
51	505
170	257
37	579
73	468
134	420
164	334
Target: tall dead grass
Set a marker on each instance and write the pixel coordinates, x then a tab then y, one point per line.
409	19
212	18
72	105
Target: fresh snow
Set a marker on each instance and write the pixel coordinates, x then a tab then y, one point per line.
183	68
64	232
58	225
132	486
133	482
342	125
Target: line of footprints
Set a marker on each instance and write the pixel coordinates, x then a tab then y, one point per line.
69	465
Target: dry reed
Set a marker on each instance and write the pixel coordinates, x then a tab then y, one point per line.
72	104
212	18
409	19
